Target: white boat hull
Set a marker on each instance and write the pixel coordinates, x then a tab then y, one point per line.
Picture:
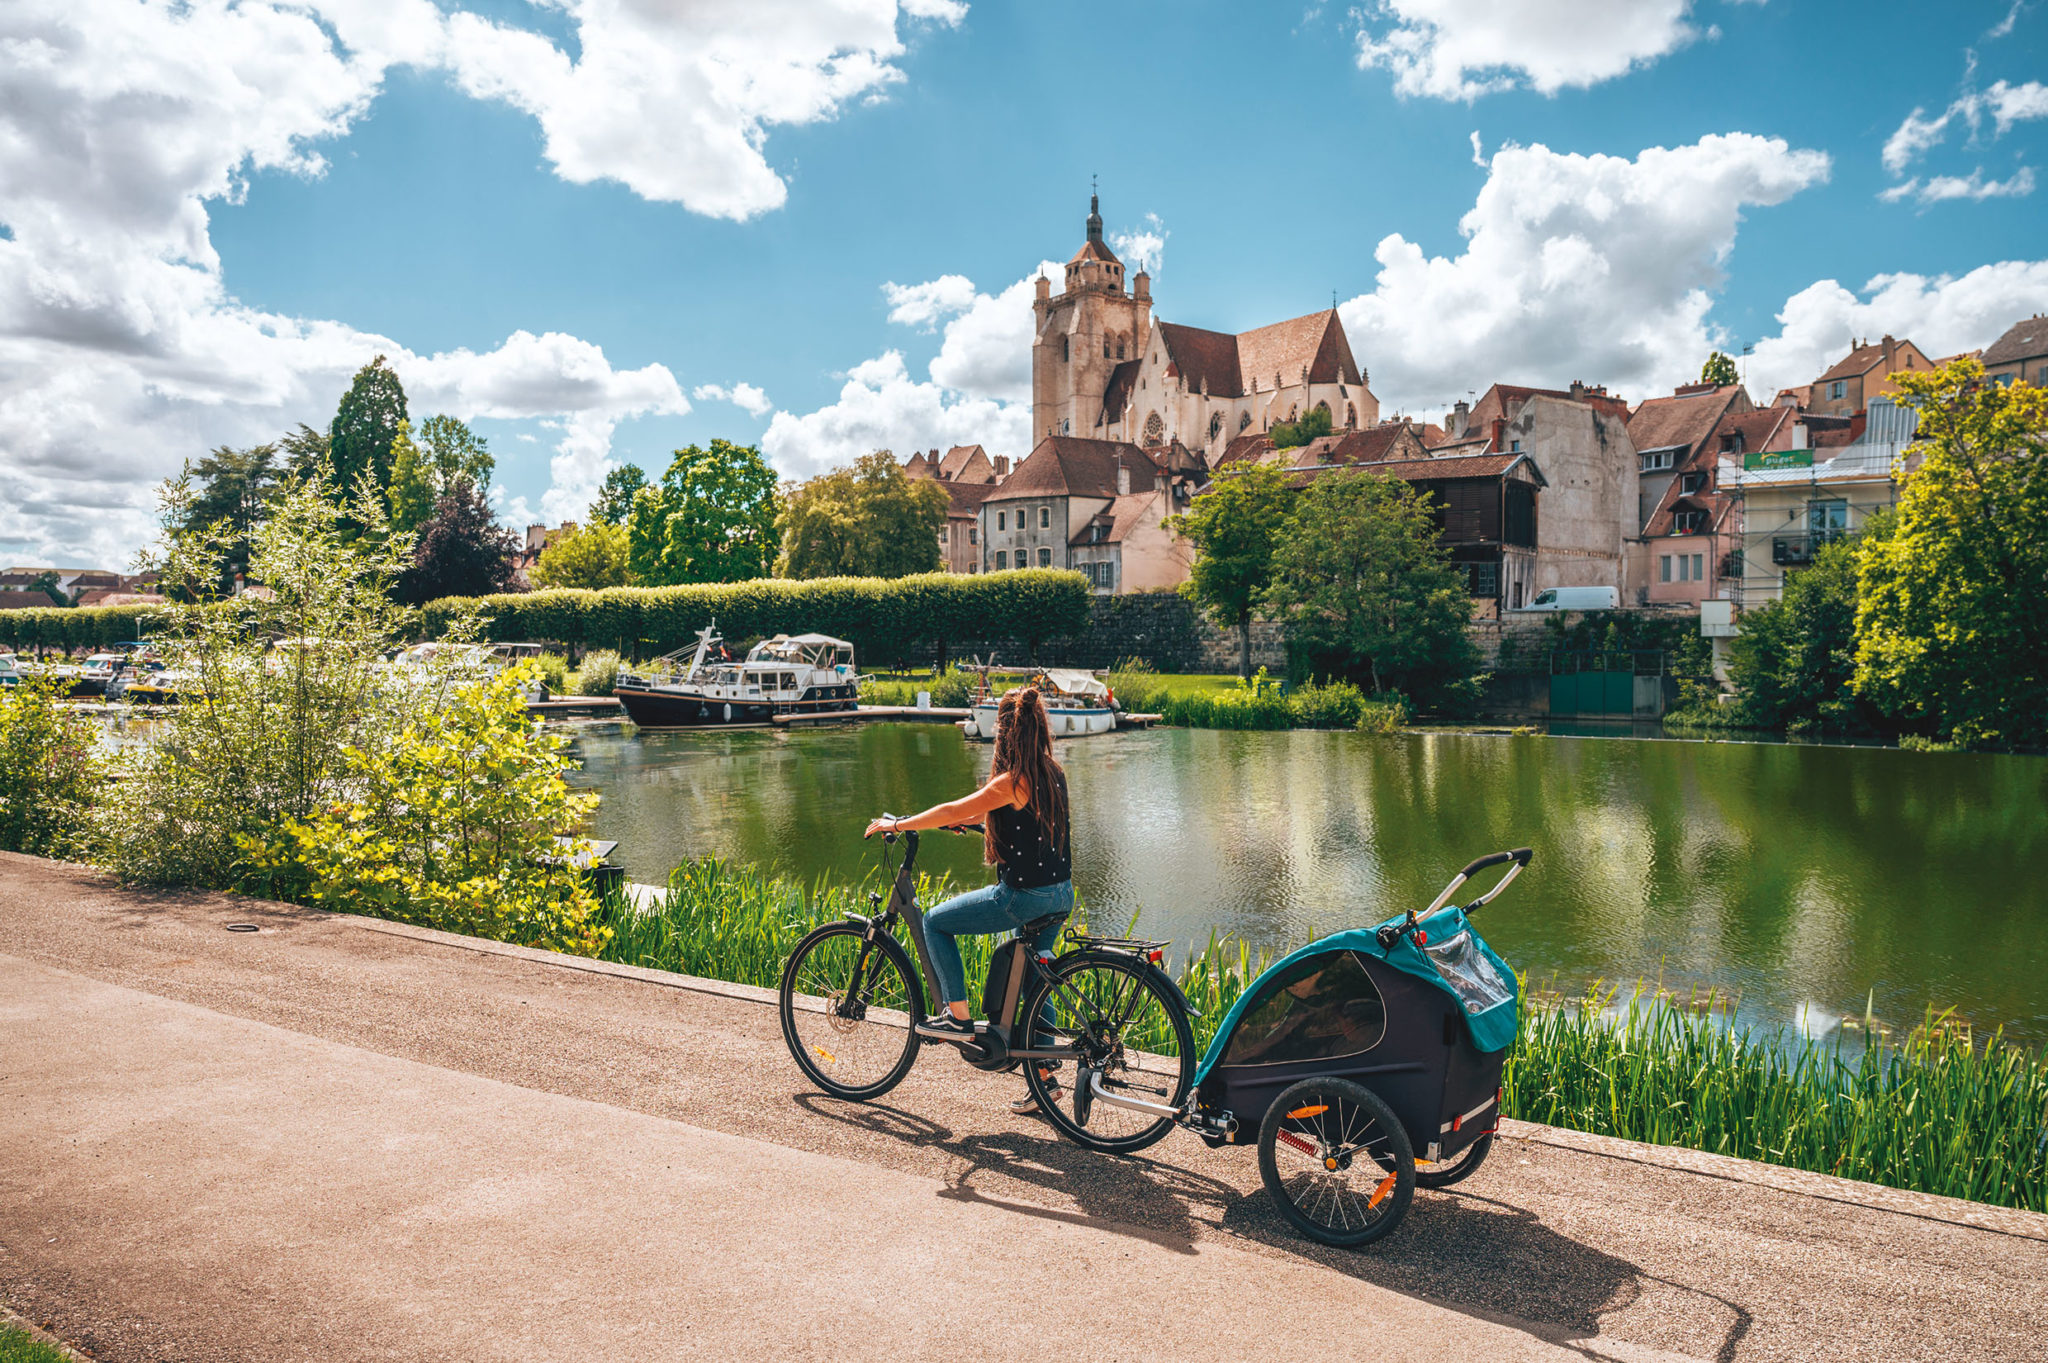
1068	721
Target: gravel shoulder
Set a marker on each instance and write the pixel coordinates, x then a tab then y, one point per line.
330	1139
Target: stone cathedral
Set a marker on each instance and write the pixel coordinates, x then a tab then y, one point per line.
1101	368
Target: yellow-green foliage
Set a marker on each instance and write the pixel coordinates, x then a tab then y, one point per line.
452	825
50	771
599	674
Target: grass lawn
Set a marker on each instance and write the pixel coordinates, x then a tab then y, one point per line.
19	1346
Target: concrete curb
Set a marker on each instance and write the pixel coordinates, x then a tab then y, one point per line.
1799	1182
12	1319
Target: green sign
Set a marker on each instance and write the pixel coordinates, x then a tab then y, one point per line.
1778	459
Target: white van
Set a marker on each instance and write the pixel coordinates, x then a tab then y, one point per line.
1576	599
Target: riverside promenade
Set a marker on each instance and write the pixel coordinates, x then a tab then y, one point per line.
337	1139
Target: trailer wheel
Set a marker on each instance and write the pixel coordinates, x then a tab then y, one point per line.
1443	1173
1337	1161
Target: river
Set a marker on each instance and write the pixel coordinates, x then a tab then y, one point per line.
1805	882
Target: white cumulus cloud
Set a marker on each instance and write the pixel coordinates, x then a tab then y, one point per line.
1942	314
1462	49
1593	267
123	349
1144	249
2002	103
744	396
1938	188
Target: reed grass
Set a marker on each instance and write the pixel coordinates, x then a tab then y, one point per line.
1933	1114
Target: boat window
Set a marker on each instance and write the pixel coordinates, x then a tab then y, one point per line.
1321	1007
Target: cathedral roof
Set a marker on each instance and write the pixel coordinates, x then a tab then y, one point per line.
1123	380
1094	250
1230	363
1069	466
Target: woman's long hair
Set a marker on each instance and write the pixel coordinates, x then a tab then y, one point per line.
1024	749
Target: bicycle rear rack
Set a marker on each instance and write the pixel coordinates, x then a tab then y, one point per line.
1136	946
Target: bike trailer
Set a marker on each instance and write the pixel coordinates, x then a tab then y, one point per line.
1423	1021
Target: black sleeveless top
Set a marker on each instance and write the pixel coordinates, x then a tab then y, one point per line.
1025	857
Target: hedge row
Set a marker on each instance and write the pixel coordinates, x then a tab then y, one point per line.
883	618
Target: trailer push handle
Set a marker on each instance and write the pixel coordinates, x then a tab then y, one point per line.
1519	857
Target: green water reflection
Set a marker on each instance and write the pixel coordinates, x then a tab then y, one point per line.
1800	878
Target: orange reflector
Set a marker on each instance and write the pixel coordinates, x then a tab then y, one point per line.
1386	1186
1311	1111
1458	1121
829	1057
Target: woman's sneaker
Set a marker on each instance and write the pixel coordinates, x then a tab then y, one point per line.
946	1027
1027	1105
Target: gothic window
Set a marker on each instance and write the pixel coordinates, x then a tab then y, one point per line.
1155	430
1105	345
1215	425
1323	407
1350	416
1119	347
1244	421
1064	343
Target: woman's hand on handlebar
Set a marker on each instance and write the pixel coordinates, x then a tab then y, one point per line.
884	824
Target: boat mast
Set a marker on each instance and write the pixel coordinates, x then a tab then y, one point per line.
704	638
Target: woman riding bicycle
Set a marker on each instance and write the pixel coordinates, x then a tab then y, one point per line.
1023	808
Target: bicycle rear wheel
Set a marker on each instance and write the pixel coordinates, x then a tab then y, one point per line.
859	1044
1126	1023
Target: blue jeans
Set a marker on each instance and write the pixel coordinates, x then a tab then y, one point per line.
992	908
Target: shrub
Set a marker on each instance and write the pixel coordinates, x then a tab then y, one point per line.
50	772
454	825
1331	705
554	670
599	674
952	689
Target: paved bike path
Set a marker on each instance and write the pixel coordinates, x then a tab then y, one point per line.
525	1163
221	1188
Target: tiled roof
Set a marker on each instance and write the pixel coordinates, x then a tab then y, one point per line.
1506	399
966	498
1094	250
22	601
1316	340
1865	358
917	466
2023	340
1120	517
960	458
1069	466
1197	355
1122	381
1250	445
1687	420
1458	466
1374	446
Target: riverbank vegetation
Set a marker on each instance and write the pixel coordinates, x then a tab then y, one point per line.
1933	1114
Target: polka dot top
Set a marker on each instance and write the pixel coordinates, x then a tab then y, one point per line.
1025	857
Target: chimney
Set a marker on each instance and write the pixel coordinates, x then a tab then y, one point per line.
1123	479
1500	434
1890	347
1002	463
1460	413
1578	391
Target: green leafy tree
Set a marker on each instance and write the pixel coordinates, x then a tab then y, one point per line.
865	521
1235	527
1719	370
306	454
1366	588
1795	660
454	824
1952	603
592	556
232	492
710	519
615	499
455	452
259	731
51	770
414	489
1287	434
365	425
47	583
462	550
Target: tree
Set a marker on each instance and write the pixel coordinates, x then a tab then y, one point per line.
233	493
1719	370
414	489
1795	660
1952	602
455	452
615	499
592	556
462	550
306	455
365	425
1366	588
869	520
47	582
710	519
1285	435
1235	527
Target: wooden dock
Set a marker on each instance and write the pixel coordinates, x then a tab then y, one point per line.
892	714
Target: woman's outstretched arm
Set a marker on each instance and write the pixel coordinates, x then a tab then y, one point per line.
1002	789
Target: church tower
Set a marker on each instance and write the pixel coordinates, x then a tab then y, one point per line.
1083	334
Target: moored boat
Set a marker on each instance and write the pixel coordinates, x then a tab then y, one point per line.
788	674
1078	704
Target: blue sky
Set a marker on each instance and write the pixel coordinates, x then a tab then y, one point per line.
671	224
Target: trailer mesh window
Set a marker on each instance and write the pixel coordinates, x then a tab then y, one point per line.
1320	1008
1466	970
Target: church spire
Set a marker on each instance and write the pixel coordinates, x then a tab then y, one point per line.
1094	214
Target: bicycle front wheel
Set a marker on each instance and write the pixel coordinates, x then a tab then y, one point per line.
1125	1022
847	1005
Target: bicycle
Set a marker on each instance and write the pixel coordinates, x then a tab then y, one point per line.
850	996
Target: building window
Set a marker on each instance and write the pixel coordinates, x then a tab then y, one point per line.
974	567
945	534
1837	390
1514	447
1731	443
1045	558
1244	421
973	535
1155	429
1698	575
1119	347
1692	482
1105	347
1664	568
1002	558
1828	520
1655	461
1002	521
1350	416
1045	518
1215	425
1065	342
1485	579
1688	522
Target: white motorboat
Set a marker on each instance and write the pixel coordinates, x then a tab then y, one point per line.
1077	704
788	674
